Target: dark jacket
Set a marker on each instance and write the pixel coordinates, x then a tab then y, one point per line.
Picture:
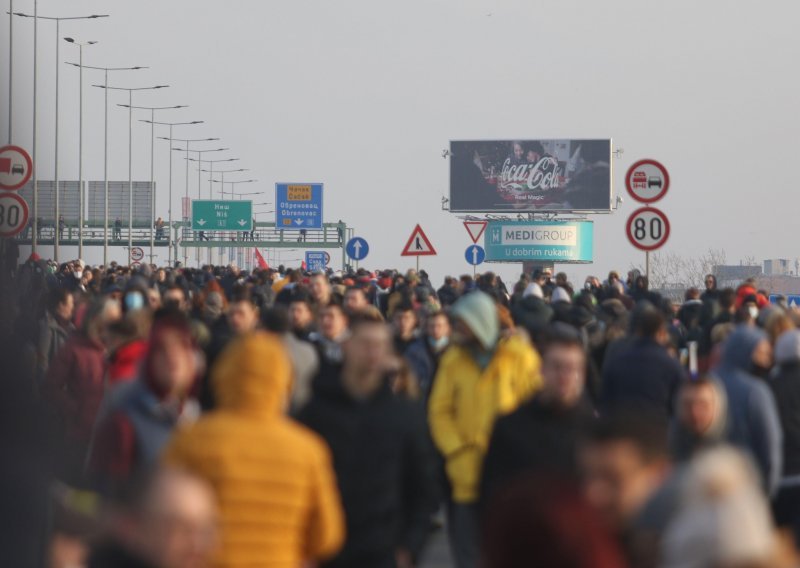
385	470
53	335
536	438
786	388
424	362
753	423
643	375
113	555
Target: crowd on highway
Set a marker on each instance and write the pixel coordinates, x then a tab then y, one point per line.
183	417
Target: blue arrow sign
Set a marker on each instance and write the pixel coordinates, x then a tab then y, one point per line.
475	255
792	300
357	248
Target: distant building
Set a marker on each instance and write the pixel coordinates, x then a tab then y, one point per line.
782	267
732	275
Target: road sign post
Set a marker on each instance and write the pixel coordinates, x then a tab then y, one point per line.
475	255
418	245
218	215
16	167
298	206
648	230
13	214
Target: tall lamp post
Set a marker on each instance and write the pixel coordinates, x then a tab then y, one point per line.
169	209
130	152
211	166
105	149
185	210
56	236
152	164
80	140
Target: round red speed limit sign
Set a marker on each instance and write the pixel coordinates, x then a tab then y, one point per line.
647	228
13	214
647	181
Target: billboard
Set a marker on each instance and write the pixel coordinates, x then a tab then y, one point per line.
548	241
514	176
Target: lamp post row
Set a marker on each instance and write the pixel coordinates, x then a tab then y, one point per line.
130	106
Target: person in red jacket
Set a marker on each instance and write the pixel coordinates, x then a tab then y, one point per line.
75	383
140	415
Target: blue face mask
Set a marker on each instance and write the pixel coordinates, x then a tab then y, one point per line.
134	301
438	344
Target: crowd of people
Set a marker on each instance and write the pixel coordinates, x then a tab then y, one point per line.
182	417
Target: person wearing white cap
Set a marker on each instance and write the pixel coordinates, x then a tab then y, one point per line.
480	378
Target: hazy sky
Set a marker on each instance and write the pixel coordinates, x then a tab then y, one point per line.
363	96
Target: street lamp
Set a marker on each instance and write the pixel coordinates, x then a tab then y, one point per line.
56	236
105	147
171	124
186	198
130	152
80	140
222	182
212	162
152	162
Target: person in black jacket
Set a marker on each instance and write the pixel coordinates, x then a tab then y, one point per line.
643	374
383	458
541	436
785	385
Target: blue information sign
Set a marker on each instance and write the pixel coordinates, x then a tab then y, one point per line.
316	260
475	255
549	241
298	206
357	248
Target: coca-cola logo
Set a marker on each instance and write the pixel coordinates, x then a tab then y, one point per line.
541	176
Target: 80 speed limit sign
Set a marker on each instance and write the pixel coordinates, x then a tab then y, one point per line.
13	214
648	228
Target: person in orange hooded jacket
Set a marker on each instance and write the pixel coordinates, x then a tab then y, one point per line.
273	477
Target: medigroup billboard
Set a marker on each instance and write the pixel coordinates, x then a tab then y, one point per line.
513	176
563	242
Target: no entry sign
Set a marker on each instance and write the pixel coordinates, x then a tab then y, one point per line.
647	228
647	181
13	214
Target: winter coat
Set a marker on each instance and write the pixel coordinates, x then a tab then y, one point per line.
785	387
385	467
273	478
424	362
536	438
74	385
467	400
52	337
643	375
753	420
124	362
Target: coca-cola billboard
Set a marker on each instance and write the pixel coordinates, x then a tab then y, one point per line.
530	175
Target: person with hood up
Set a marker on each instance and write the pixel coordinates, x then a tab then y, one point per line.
273	478
754	424
785	385
140	416
480	378
700	418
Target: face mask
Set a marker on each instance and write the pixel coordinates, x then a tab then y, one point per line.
759	371
134	301
438	344
753	311
77	274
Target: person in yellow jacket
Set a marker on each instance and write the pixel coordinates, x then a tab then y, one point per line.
481	377
278	498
